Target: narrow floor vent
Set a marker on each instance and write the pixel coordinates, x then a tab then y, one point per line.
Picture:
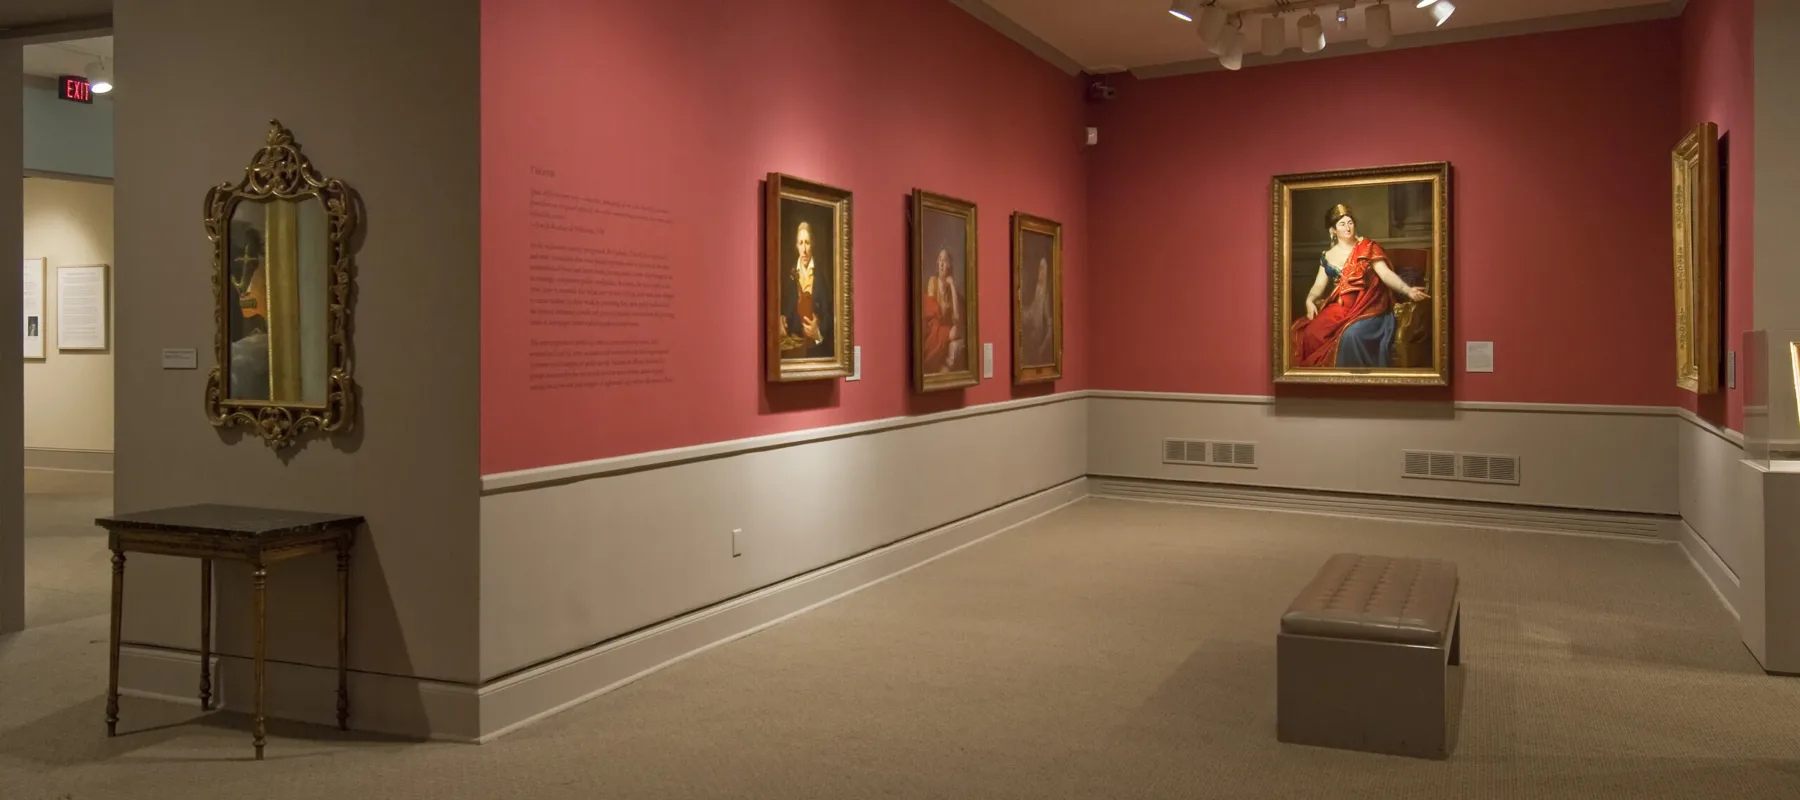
1211	454
1461	467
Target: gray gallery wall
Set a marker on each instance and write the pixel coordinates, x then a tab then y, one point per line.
410	467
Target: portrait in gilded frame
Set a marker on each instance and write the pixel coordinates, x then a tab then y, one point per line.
808	280
945	290
1037	299
1360	269
1694	184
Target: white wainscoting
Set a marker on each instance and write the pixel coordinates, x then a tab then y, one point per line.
62	471
1716	491
569	568
1592	458
596	574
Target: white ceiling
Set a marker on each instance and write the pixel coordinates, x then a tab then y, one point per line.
1141	35
66	58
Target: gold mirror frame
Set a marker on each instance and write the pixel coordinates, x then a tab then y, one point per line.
1693	173
280	171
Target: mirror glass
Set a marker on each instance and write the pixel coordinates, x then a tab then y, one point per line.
277	308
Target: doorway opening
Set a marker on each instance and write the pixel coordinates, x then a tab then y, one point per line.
67	326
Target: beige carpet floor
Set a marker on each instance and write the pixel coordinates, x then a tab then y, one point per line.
1110	650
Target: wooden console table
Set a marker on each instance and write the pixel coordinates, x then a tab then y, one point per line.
258	536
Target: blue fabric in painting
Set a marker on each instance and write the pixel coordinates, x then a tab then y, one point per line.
1367	342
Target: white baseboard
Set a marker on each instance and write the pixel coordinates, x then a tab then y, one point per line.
518	700
1643	527
400	706
48	480
417	708
1717	573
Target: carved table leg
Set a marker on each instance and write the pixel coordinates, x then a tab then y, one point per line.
206	580
343	697
260	580
112	680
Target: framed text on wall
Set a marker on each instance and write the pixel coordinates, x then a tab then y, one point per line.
33	317
81	308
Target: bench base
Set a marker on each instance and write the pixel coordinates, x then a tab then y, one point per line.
1377	697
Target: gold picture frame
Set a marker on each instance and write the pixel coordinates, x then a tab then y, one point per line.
1323	331
1694	184
808	329
1037	295
301	295
946	319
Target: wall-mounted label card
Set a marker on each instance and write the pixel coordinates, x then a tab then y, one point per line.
1481	357
180	358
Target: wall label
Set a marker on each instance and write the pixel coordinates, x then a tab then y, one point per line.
180	358
1481	357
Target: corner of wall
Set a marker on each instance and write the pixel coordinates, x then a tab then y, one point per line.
12	420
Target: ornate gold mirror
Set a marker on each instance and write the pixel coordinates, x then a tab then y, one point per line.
282	268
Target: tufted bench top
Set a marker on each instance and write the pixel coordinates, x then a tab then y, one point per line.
1376	598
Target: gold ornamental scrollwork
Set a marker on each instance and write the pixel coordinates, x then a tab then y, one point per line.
280	171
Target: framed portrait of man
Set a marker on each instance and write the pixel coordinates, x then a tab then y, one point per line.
1694	182
1037	299
944	293
1360	276
808	278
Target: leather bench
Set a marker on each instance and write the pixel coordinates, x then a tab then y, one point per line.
1363	656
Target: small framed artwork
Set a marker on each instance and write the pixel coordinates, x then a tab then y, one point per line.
33	320
1037	299
81	308
807	272
1360	276
944	292
1693	172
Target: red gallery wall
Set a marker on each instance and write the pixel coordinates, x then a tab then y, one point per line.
1717	63
666	116
1559	145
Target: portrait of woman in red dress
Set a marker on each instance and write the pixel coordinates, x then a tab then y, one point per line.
1349	310
940	320
944	262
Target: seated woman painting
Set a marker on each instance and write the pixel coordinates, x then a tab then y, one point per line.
1349	311
940	321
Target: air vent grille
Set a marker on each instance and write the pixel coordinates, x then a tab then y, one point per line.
1470	467
1210	454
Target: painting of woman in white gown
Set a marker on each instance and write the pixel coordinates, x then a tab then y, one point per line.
1037	299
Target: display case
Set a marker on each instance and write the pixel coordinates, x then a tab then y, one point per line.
1769	370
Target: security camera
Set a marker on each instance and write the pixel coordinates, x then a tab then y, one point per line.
1099	89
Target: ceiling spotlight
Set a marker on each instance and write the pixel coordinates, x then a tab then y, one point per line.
99	77
1380	23
1441	10
1232	56
1274	36
1183	9
1212	26
1312	33
1424	3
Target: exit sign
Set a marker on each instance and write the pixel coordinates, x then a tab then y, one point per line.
74	87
